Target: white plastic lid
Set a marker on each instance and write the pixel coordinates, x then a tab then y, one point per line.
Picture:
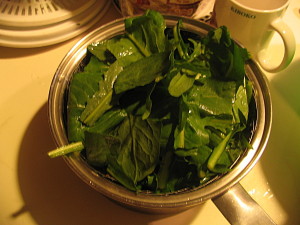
36	23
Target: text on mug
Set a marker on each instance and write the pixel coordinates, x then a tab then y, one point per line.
241	13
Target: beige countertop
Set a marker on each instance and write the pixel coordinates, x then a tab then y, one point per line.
37	190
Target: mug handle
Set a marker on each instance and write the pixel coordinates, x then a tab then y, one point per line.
289	47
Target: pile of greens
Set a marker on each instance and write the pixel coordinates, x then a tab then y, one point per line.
160	109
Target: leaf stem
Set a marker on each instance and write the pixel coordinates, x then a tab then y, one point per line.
164	172
141	48
99	110
64	150
217	152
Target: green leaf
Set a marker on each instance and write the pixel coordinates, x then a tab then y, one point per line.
100	102
240	106
226	58
98	49
179	84
141	72
214	97
147	32
83	86
198	68
193	133
97	148
197	156
138	155
95	65
124	50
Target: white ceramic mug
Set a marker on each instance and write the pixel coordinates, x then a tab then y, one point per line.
253	23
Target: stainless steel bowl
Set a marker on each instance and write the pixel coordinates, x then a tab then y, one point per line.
156	203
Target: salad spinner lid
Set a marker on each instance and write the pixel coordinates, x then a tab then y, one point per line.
35	23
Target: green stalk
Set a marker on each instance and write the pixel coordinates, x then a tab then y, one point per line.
180	51
181	139
177	36
164	171
64	150
99	110
217	152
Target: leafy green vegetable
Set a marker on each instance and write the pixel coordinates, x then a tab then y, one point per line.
138	153
213	97
228	58
147	32
141	72
82	88
180	84
160	109
125	53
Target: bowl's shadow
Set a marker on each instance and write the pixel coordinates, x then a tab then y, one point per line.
280	161
54	195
